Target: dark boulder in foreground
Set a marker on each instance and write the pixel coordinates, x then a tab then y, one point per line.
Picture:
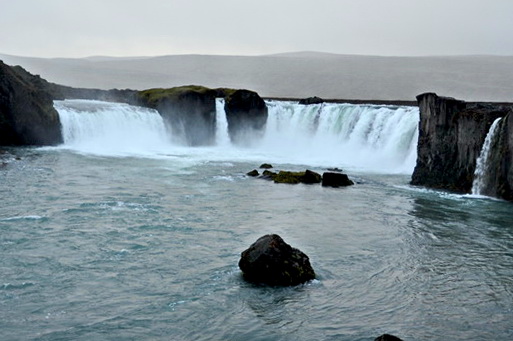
387	337
271	261
27	115
331	179
246	113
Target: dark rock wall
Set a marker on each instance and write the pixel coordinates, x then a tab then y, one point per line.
27	115
246	113
189	111
451	135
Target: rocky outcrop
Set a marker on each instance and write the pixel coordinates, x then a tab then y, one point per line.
306	177
451	135
189	111
246	113
311	100
336	179
27	115
273	262
288	177
254	172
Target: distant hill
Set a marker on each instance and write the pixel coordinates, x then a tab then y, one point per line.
296	75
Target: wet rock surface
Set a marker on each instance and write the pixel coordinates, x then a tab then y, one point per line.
271	261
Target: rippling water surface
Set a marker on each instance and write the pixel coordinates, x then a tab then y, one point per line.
135	248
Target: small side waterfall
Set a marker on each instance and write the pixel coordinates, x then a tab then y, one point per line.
482	172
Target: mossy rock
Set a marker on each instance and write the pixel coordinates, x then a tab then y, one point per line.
306	177
153	97
286	177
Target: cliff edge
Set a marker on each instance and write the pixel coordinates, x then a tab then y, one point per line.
27	115
451	136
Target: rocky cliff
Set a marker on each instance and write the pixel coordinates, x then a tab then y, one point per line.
27	115
451	135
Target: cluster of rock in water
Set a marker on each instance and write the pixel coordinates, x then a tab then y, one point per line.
332	178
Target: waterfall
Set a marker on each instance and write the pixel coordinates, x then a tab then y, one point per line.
368	137
222	137
378	138
481	174
111	128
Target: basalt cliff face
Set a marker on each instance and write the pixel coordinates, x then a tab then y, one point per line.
451	136
246	113
27	115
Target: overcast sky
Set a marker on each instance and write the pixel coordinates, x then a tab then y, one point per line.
80	28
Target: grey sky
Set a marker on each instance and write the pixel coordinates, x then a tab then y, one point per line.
79	28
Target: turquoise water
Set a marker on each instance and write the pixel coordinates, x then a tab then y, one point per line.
126	248
121	234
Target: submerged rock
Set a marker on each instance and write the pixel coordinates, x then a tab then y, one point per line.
254	172
271	261
387	337
331	179
268	175
266	166
335	169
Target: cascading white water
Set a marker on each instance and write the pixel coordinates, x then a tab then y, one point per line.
222	138
377	138
111	128
372	138
480	182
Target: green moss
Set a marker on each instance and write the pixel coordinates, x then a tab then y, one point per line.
286	177
225	92
154	96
